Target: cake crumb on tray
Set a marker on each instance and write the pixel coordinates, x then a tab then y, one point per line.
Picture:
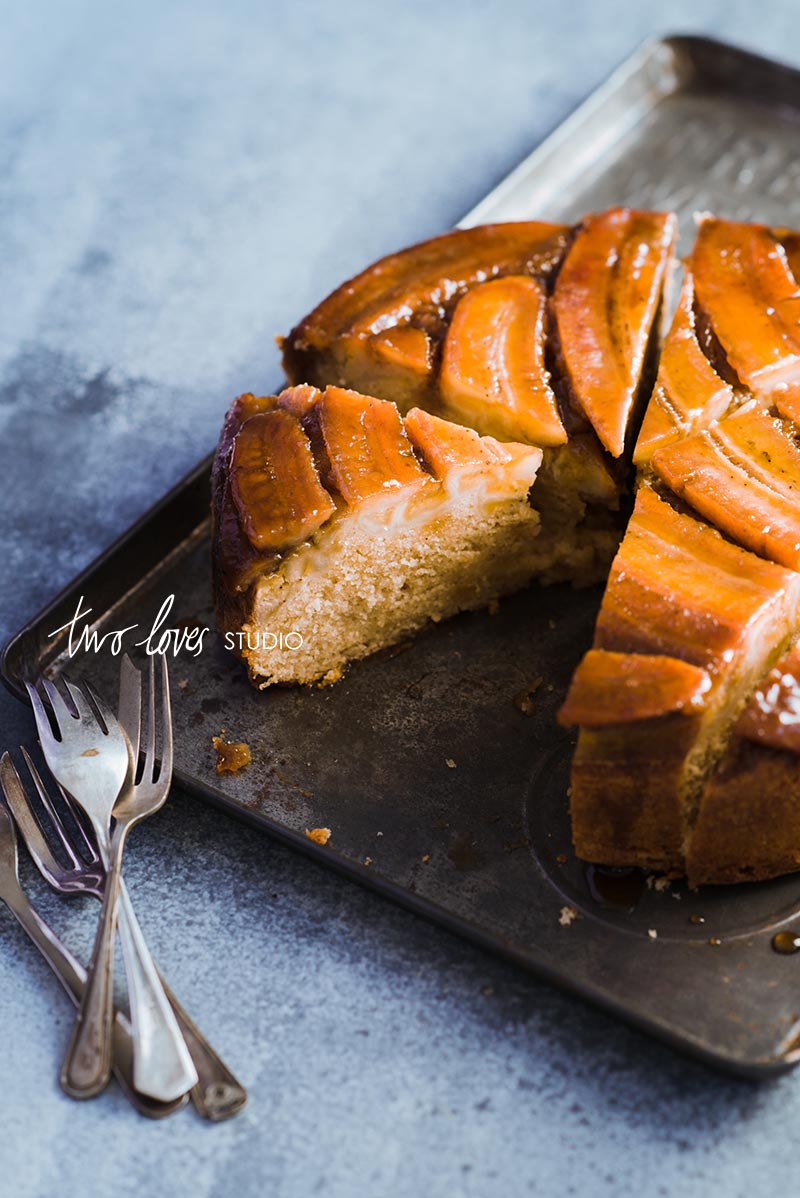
232	756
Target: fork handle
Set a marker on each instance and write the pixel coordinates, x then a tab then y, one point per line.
162	1063
72	977
87	1065
217	1094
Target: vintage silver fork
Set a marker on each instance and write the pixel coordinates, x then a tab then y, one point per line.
67	969
218	1094
93	762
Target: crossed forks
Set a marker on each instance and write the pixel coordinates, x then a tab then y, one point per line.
97	761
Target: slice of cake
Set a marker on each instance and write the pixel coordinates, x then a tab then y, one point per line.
531	332
339	528
718	449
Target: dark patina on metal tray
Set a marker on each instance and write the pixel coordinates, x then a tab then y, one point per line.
439	768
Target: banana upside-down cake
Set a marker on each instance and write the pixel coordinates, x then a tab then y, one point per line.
465	417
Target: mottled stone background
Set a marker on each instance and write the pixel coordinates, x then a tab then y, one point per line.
178	183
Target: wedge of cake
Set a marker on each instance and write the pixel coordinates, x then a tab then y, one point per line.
530	332
707	575
688	625
339	528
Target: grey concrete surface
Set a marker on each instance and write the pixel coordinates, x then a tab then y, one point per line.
179	182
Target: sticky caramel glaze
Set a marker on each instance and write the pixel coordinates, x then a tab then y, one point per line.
605	300
748	827
232	756
677	588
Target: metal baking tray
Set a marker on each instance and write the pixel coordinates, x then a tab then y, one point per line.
439	768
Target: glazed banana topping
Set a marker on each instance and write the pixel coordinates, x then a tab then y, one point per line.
526	331
270	451
423	280
293	461
679	588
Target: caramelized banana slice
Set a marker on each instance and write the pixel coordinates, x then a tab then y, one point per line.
677	587
274	482
446	447
743	475
605	301
689	394
493	373
620	688
746	287
368	450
